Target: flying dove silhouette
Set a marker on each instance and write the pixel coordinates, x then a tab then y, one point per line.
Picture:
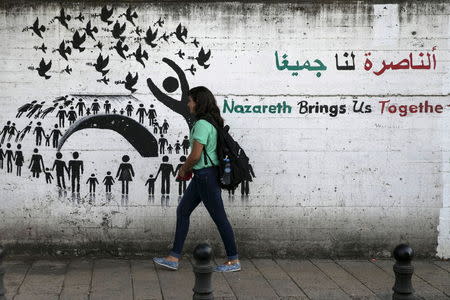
101	64
78	41
63	50
118	30
62	18
203	57
36	28
106	14
139	54
129	15
130	81
121	49
44	68
89	30
150	37
180	32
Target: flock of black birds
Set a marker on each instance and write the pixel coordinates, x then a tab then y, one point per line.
78	42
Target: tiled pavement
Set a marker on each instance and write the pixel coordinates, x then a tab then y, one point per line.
109	278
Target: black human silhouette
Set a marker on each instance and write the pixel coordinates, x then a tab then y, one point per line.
107	106
81	106
181	183
47	111
25	108
2	156
108	181
61	167
125	173
18	158
162	144
245	183
160	129
151	185
165	126
122	111
36	163
47	139
129	108
151	115
48	176
88	111
35	108
177	147
169	148
39	132
166	170
9	155
92	181
61	115
95	107
155	127
5	131
71	116
141	111
75	171
23	132
56	133
12	131
185	145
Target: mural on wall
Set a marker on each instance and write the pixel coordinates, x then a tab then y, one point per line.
108	34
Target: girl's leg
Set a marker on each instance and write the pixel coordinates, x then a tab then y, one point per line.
211	196
188	203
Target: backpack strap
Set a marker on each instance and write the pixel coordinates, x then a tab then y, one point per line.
205	155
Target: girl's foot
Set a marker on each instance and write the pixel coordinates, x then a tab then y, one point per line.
229	266
169	262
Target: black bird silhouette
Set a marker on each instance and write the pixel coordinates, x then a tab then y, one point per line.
80	17
130	81
43	48
192	69
101	64
180	32
67	70
89	30
159	22
62	18
118	30
36	28
129	15
139	55
99	45
106	14
164	37
63	50
78	40
150	37
203	57
44	68
121	49
138	31
104	80
195	42
180	54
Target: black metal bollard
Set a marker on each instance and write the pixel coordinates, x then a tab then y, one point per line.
2	273
403	289
203	272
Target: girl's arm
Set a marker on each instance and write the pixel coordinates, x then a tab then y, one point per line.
193	157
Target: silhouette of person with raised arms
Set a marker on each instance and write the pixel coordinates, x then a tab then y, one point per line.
36	163
60	166
18	158
185	145
95	107
125	173
47	139
9	155
5	131
92	183
81	106
107	106
151	185
129	108
162	144
48	176
75	171
71	116
166	169
61	115
56	133
181	183
108	181
142	112
151	115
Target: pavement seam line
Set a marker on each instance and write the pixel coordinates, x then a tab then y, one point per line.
268	282
293	280
226	280
23	279
92	279
64	280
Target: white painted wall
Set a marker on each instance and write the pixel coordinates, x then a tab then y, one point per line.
354	184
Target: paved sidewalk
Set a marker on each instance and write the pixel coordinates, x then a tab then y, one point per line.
108	278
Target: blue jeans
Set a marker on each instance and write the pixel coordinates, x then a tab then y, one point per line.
204	187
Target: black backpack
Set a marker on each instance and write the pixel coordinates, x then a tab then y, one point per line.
227	146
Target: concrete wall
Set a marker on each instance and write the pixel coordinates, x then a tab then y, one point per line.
353	178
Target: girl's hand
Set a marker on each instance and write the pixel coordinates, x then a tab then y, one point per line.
181	172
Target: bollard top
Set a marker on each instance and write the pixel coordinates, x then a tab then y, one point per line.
403	253
203	252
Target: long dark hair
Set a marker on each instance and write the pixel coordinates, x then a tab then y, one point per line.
205	104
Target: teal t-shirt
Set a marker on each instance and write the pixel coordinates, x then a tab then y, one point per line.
205	133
